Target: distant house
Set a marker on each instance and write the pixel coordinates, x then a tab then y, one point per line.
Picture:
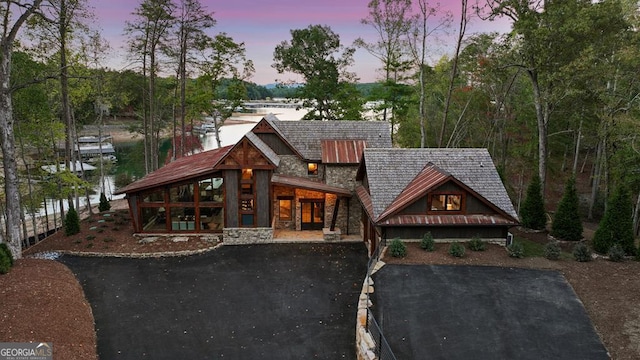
452	193
296	175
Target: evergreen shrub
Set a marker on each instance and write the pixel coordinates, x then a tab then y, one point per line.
566	223
104	203
516	250
581	252
398	248
616	226
71	222
532	211
6	259
476	244
456	249
552	250
427	243
616	253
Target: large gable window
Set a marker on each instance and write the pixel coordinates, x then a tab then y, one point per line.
445	202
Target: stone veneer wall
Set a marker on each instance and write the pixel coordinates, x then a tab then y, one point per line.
292	165
345	177
246	236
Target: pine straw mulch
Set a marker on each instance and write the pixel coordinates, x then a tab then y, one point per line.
609	291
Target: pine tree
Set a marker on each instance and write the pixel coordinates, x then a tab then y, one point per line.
532	212
566	222
616	226
71	222
104	203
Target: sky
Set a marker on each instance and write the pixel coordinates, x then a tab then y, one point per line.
263	24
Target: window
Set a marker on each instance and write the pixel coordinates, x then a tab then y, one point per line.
446	202
285	208
181	193
312	169
247	198
211	190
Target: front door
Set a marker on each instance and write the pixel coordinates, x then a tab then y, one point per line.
312	214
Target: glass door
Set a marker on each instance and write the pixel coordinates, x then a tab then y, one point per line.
312	214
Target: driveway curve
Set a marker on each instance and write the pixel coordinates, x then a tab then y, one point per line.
285	301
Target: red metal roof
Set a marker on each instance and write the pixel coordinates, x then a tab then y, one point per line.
342	151
430	177
365	199
294	181
185	168
448	220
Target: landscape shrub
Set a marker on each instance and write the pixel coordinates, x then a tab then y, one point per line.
532	211
427	243
71	222
566	221
456	249
516	250
104	203
616	253
581	252
476	244
398	248
616	226
4	247
552	250
6	259
90	237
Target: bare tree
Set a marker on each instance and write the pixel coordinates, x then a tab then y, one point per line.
418	46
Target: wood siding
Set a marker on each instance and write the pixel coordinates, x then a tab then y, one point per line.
231	197
277	145
263	202
457	232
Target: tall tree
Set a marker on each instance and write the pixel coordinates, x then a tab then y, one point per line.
222	59
418	45
193	20
316	54
14	14
552	35
391	20
148	32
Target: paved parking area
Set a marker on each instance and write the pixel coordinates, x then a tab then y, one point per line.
285	301
474	312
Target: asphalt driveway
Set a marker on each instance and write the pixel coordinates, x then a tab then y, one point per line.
473	312
285	301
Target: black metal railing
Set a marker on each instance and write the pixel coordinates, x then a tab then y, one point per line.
382	349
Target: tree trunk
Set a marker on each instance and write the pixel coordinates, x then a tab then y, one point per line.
7	143
542	116
577	151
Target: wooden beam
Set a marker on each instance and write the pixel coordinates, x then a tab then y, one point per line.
334	217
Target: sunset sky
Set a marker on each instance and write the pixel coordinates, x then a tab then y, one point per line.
263	24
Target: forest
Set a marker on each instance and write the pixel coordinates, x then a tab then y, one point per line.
557	97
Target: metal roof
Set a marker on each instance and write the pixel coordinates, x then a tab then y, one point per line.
294	181
430	177
390	171
365	199
342	151
184	168
448	220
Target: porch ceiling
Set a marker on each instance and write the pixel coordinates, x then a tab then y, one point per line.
298	182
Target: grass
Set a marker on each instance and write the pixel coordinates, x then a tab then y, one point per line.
534	249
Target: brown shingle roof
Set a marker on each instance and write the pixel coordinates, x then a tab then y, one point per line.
306	135
185	168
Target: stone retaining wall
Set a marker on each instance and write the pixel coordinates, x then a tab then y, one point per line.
247	236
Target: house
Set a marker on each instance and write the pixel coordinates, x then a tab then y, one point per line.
452	193
296	175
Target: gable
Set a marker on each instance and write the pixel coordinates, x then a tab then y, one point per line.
245	155
390	171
